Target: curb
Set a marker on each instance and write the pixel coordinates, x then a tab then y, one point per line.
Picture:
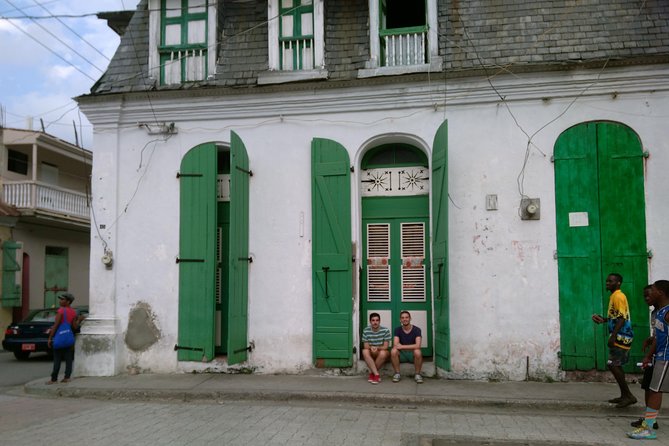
35	388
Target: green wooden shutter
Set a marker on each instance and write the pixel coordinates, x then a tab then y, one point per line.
197	253
331	250
578	247
11	291
440	246
239	252
623	221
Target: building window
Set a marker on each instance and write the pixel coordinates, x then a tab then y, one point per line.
295	31
182	40
403	32
17	162
296	34
403	37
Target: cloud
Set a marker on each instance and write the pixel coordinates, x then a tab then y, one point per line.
35	80
62	72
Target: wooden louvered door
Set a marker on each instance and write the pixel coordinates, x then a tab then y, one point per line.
395	273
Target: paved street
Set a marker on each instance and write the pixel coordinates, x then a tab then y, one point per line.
41	420
324	415
15	373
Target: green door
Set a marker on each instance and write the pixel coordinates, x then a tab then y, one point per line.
331	255
197	254
601	228
239	252
56	274
439	180
206	287
395	272
11	290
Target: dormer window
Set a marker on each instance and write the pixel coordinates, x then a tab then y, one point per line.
403	37
296	35
182	40
295	41
403	33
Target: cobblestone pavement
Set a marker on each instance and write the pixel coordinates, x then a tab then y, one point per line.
31	420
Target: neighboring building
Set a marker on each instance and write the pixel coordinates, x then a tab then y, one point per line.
45	185
268	173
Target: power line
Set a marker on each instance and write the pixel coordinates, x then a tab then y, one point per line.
60	40
50	50
68	27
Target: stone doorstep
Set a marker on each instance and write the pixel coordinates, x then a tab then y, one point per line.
406	369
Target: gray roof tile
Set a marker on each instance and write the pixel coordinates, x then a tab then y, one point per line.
524	33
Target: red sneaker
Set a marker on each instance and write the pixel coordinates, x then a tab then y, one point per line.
376	379
370	378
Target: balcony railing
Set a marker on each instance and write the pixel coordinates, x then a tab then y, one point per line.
404	46
32	195
297	53
183	65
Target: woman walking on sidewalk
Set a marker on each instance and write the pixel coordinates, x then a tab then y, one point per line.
65	316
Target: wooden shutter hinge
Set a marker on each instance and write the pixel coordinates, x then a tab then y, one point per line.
249	172
248	259
189	260
179	174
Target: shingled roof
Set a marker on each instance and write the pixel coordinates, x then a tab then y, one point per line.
474	36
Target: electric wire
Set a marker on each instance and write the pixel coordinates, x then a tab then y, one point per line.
61	41
50	50
72	30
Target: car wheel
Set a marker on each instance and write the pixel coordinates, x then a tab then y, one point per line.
21	356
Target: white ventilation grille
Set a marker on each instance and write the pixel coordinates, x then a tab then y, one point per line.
378	258
413	259
223	187
219	260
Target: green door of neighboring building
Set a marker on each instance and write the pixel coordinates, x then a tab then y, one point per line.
56	274
601	228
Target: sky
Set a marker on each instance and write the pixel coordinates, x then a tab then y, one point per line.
47	61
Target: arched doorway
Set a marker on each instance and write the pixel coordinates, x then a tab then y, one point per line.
601	228
394	183
213	252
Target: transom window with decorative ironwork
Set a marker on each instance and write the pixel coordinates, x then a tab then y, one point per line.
183	41
296	34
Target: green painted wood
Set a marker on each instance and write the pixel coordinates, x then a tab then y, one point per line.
11	291
579	267
439	182
331	250
224	271
396	305
239	252
623	222
599	170
197	252
56	275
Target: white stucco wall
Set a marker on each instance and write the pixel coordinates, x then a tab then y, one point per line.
503	276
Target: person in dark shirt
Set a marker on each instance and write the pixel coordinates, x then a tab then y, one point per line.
406	347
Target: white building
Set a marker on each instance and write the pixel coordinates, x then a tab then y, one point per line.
268	174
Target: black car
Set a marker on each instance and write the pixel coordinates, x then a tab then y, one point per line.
32	334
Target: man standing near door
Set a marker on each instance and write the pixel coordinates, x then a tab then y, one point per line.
375	339
406	347
620	337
